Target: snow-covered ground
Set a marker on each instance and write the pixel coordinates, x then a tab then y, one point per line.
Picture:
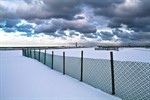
23	78
124	54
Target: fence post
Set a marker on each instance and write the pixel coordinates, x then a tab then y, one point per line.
34	54
52	59
81	79
45	57
112	73
63	63
25	52
39	54
28	52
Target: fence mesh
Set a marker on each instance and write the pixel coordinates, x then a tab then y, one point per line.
42	57
97	73
26	53
58	62
32	54
49	60
73	67
37	55
132	80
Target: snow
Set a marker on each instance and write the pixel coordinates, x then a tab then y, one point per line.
124	54
23	78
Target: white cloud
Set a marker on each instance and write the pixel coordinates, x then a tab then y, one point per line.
129	7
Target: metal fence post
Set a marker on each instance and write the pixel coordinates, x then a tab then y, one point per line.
52	59
39	54
112	73
22	52
25	52
28	52
63	63
81	79
45	57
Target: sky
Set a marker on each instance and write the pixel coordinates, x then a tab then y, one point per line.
65	22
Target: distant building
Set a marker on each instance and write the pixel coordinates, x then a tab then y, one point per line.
76	44
129	44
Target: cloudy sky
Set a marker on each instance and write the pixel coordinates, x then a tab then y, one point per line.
64	22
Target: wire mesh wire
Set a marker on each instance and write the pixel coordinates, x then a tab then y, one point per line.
49	60
132	80
42	57
97	72
37	55
32	54
27	52
73	67
58	62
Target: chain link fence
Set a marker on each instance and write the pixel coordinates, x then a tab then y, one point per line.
125	79
97	72
132	80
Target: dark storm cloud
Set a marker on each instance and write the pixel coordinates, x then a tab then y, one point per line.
25	28
37	21
59	33
79	17
131	9
53	17
91	35
73	33
140	36
45	9
106	35
28	1
11	23
103	35
101	3
47	28
121	34
29	26
145	8
61	24
2	23
42	9
137	24
66	9
135	36
134	13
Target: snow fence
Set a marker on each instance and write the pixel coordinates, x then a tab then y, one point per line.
125	79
